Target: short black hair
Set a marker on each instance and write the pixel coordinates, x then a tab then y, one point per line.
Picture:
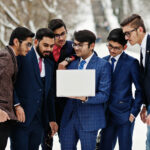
134	21
44	32
21	33
55	24
85	36
117	35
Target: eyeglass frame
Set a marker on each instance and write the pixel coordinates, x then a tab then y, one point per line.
110	47
57	36
27	44
128	34
79	46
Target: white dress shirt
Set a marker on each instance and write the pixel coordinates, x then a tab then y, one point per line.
87	60
143	48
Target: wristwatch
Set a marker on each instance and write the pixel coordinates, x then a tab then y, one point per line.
68	59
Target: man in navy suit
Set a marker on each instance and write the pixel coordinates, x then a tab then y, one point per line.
135	32
84	116
63	53
33	95
122	107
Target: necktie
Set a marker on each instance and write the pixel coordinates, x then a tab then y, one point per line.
112	63
40	64
141	58
81	65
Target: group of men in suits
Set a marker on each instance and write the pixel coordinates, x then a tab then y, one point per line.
32	99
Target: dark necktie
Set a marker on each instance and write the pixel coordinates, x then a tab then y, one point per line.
81	65
112	63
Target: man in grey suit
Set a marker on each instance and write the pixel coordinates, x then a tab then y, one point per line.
19	44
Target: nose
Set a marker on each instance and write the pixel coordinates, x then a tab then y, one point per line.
126	37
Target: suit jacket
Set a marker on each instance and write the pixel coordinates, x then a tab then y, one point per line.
8	71
122	103
145	74
29	88
66	51
91	113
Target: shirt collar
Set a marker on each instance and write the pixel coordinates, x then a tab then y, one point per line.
87	59
144	41
117	57
37	55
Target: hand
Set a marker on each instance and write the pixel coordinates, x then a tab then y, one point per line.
131	118
62	65
20	113
82	98
143	114
148	120
3	116
54	127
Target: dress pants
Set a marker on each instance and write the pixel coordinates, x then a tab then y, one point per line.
70	134
5	129
27	138
113	131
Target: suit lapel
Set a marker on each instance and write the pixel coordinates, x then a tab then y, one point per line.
147	52
47	74
91	62
35	66
119	64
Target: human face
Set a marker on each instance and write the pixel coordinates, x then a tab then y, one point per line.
115	48
45	46
60	36
83	49
24	46
131	34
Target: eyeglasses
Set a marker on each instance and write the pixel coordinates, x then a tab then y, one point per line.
128	34
79	46
60	35
110	47
27	44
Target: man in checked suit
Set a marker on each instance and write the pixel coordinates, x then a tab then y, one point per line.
84	116
34	96
19	44
122	107
135	32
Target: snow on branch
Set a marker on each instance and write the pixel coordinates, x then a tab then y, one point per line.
49	9
9	13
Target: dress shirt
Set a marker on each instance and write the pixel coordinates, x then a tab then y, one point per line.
117	58
42	74
143	48
87	60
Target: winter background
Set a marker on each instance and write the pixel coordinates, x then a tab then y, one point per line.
99	16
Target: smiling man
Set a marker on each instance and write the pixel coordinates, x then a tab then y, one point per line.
84	116
122	107
34	95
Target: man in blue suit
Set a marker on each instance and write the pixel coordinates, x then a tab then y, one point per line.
135	32
122	107
33	95
84	116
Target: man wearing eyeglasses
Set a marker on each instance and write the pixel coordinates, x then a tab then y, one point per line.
34	94
84	116
135	33
63	53
122	107
19	44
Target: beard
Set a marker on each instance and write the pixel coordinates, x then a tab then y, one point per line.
42	54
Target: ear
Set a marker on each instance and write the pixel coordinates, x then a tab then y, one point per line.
140	29
16	42
92	46
36	42
124	48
